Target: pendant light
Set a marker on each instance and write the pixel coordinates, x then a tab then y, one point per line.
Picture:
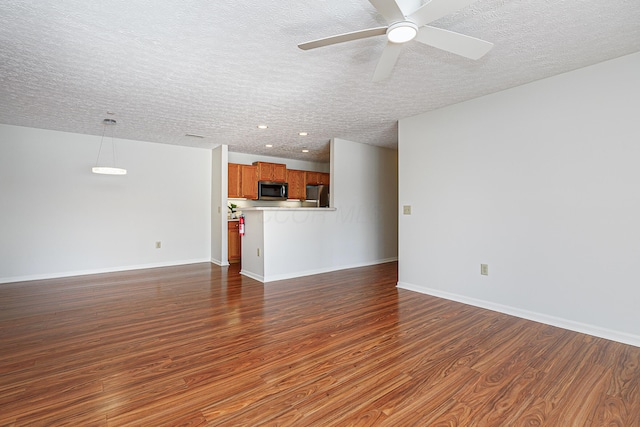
108	170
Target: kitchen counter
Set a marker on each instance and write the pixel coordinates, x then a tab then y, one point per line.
276	208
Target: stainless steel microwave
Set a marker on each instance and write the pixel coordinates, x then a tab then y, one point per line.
272	190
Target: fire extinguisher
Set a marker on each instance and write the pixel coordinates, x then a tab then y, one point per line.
241	228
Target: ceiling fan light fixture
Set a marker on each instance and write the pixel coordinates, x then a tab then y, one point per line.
402	32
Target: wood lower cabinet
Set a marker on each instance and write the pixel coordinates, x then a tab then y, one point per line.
297	184
272	172
235	242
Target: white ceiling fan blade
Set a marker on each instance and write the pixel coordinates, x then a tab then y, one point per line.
341	38
389	9
436	9
460	44
387	61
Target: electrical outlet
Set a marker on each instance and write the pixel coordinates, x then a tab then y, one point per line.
484	269
406	209
158	245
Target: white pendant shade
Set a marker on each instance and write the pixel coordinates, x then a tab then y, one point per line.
107	170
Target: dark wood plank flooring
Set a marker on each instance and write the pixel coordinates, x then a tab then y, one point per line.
200	345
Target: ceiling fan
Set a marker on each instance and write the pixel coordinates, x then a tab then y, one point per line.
404	28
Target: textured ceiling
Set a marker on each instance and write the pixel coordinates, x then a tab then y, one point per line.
219	68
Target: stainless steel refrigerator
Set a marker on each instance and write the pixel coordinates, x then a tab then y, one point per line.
318	194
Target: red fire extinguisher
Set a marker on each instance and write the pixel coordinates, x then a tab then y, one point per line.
241	228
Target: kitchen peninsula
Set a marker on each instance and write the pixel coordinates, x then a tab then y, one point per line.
281	243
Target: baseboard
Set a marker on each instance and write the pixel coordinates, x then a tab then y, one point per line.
219	263
98	271
276	277
252	275
570	325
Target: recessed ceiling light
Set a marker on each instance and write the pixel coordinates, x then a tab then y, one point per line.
303	133
262	126
269	145
305	151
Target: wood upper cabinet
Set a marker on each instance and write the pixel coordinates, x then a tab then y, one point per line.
249	184
234	180
312	177
274	172
297	184
279	172
242	181
317	178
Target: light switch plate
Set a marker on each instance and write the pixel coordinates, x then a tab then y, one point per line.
484	269
406	209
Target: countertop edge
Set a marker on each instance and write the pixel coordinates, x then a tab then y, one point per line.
275	208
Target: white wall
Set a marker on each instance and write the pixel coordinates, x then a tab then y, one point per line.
59	219
248	159
362	230
541	183
365	195
219	178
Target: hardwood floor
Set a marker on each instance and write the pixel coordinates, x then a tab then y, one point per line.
201	345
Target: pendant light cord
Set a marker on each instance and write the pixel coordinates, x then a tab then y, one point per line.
113	149
104	129
106	122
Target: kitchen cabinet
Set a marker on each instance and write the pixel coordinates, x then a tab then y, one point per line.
297	184
312	177
235	242
317	178
323	178
242	181
249	181
273	172
234	180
